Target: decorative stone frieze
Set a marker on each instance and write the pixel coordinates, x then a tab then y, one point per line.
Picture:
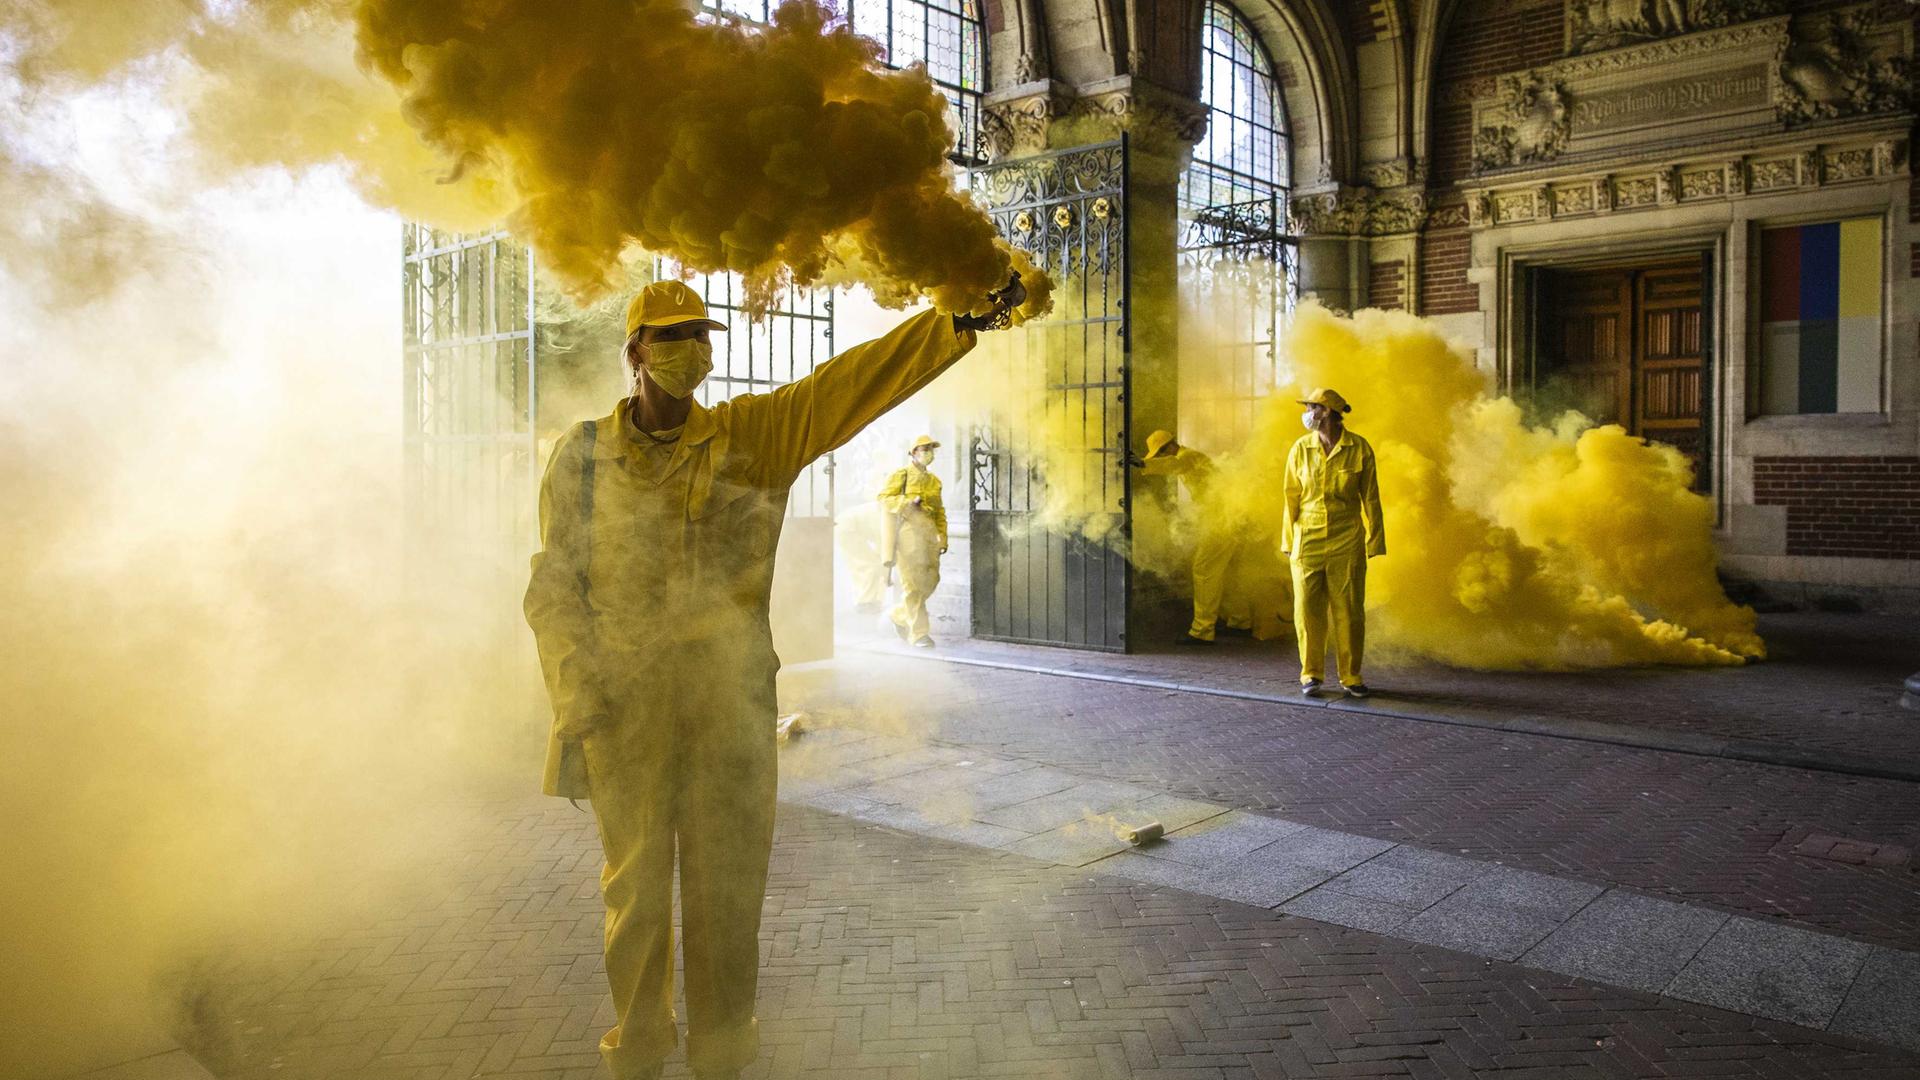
1351	211
1015	123
1140	109
1704	183
1763	172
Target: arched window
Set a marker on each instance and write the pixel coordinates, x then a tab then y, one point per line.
951	39
1244	155
948	36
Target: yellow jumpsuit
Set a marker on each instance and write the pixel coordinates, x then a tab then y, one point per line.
1331	527
922	537
1215	547
651	615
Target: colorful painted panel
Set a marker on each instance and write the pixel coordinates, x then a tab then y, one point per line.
1820	317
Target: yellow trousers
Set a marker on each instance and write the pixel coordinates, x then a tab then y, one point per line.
1212	557
691	774
918	560
1332	595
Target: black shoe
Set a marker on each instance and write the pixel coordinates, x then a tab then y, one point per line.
1310	688
1236	631
1358	690
923	642
1189	639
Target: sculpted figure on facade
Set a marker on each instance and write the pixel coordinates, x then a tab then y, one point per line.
1529	124
1844	63
1594	25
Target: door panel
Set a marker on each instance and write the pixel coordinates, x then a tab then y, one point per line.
1627	346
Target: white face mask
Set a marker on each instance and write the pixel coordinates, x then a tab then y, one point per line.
1306	420
677	367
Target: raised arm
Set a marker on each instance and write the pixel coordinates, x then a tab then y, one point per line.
556	603
805	419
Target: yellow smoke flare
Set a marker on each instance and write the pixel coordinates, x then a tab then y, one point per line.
1509	545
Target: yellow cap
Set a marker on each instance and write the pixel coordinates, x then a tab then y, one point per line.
924	440
1158	440
1329	398
668	303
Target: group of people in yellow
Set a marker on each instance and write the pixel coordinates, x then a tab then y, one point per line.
649	601
1330	527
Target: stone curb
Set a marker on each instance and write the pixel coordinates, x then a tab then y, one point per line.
1675	742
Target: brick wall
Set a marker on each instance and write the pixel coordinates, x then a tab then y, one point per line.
1487	38
1859	507
1444	288
1387	285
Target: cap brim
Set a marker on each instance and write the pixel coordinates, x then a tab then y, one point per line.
684	320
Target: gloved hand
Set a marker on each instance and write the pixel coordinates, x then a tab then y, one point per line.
1135	461
1000	316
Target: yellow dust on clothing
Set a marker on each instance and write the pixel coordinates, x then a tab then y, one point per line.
912	495
650	605
1331	527
1217	543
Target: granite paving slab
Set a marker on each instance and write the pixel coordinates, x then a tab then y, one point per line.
1627	940
1502	913
1770	970
1884	1002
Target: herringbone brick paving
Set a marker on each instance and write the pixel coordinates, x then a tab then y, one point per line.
896	957
1688	828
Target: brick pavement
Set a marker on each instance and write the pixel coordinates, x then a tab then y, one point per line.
896	957
1688	828
1831	683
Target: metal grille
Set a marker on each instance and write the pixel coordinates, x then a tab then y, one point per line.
1236	260
753	357
469	399
1244	155
948	36
1032	579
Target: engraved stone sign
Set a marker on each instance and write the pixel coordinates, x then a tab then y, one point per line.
1694	97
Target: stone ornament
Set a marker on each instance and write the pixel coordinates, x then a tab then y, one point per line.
1839	64
1528	124
1599	25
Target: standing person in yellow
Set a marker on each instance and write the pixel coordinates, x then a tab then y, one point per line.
1331	527
1218	541
912	497
649	601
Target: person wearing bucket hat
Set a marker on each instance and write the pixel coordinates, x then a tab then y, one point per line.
1217	543
1330	527
649	603
911	497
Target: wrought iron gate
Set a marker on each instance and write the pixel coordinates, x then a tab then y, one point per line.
1044	573
1237	286
469	400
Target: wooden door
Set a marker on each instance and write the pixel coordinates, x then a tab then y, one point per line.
1625	346
1668	358
1587	334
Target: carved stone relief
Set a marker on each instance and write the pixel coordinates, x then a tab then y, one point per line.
1528	124
1842	63
1597	25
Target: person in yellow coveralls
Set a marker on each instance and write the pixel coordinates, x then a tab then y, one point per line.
1331	526
649	601
1217	544
912	496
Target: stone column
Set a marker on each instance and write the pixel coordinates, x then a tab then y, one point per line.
1331	224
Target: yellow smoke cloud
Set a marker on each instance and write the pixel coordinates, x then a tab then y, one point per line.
1509	545
780	152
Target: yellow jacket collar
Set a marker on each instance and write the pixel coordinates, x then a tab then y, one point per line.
614	427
